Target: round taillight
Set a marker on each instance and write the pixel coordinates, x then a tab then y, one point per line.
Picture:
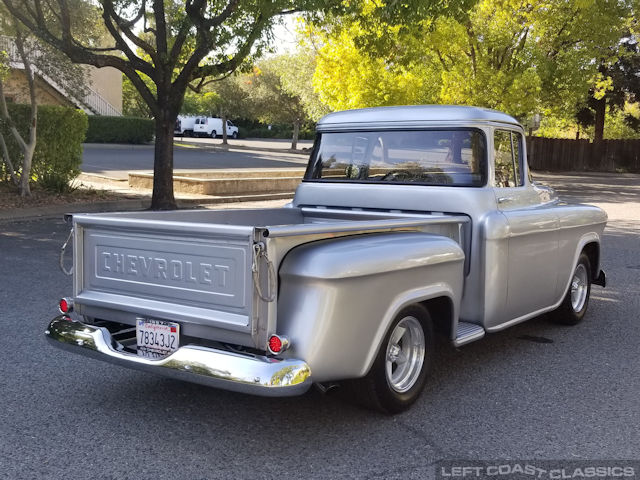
65	305
275	344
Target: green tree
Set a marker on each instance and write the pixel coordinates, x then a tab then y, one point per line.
618	84
232	100
133	105
516	56
272	101
296	79
225	98
37	61
200	103
347	78
184	43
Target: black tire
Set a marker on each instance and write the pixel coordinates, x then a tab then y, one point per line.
213	134
574	306
376	390
234	135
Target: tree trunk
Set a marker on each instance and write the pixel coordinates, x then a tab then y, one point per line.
601	110
296	134
224	129
163	198
5	155
27	159
27	147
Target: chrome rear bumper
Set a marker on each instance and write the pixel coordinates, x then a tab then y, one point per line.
252	374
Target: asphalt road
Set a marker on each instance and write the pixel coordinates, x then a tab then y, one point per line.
535	391
117	160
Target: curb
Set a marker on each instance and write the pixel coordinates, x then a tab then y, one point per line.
120	146
226	148
39	213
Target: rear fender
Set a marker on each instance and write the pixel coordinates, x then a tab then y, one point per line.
339	297
406	299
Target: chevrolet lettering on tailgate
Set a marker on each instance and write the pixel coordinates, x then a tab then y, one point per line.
149	268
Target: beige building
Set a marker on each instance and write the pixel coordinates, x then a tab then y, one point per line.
104	92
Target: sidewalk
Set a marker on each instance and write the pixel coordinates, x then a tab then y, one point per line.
247	144
30	214
136	199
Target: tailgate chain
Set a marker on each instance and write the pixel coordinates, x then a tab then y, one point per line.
259	251
62	252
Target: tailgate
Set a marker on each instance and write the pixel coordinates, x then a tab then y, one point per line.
192	273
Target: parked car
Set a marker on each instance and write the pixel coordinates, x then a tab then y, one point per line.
212	127
409	221
184	125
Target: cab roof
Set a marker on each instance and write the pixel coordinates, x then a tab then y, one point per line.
414	115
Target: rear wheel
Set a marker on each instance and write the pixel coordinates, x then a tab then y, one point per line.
399	372
213	134
574	306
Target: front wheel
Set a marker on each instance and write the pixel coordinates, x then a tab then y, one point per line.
399	372
574	306
234	135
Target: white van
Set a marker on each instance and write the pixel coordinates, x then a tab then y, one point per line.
212	127
184	125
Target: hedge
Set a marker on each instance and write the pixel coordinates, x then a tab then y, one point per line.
255	129
59	136
103	129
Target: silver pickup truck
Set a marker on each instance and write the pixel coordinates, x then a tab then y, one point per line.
409	221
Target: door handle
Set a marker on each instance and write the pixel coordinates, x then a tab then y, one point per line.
503	199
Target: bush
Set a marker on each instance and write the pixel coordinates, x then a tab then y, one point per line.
103	129
59	135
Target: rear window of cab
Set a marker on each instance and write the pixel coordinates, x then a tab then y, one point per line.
454	157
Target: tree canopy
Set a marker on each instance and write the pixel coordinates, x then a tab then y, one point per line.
37	60
176	44
516	56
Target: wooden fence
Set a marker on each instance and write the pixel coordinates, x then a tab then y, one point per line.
559	154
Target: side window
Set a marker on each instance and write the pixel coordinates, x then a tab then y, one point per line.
507	153
516	141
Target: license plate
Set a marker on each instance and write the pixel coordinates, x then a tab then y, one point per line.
156	338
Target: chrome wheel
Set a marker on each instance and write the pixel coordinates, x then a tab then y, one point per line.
405	354
579	288
574	305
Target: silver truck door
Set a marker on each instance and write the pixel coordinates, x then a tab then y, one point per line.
533	230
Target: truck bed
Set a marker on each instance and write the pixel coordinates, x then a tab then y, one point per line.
215	272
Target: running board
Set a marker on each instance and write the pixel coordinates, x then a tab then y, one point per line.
467	333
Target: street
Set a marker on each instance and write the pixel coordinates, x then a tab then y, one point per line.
534	391
117	160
